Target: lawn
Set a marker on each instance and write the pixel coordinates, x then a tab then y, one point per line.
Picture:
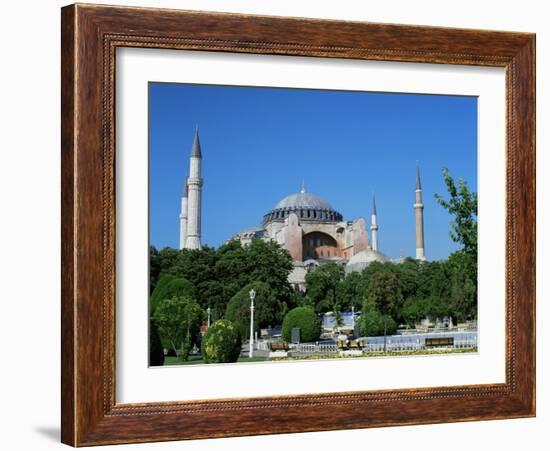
197	360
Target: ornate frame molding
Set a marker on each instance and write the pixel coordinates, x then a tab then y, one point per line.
90	36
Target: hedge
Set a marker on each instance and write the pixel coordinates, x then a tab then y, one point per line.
304	318
168	287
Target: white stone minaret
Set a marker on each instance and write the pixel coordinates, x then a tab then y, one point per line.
419	218
183	215
374	226
194	187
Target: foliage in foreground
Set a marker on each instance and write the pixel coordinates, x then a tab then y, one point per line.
221	343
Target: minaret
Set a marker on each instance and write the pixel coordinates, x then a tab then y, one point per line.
194	186
419	217
183	215
374	226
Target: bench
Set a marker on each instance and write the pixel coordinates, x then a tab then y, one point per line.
278	346
441	341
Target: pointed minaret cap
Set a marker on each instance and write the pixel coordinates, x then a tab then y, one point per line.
418	185
373	205
185	188
303	188
196	148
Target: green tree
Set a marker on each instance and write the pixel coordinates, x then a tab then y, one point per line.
168	287
178	320
198	267
407	273
160	262
462	274
154	268
260	261
156	351
218	274
351	291
305	319
322	287
384	293
462	205
221	343
267	308
372	323
413	311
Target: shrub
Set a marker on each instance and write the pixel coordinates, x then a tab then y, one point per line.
178	320
156	352
371	323
167	287
266	308
221	343
304	318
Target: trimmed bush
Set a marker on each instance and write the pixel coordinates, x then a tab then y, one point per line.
371	323
304	318
266	308
221	343
156	352
170	286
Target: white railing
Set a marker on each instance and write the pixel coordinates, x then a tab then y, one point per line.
326	348
331	348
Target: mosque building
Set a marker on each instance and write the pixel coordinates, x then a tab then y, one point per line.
304	224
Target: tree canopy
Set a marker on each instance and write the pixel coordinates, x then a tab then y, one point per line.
178	320
322	287
218	274
462	205
268	310
400	293
168	287
306	320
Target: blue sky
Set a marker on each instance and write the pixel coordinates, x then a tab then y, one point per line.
259	143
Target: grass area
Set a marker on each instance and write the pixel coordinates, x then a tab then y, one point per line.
197	360
379	354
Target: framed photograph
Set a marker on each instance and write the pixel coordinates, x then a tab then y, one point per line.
278	225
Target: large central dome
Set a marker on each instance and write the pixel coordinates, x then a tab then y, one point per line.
303	200
307	206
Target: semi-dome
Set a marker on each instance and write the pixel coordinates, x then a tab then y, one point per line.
364	258
307	206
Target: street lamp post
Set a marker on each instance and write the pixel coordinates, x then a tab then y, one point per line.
252	294
208	311
353	318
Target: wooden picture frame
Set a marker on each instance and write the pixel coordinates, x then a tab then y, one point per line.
90	36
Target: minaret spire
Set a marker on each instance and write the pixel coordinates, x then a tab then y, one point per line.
196	147
183	214
419	217
374	226
194	187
